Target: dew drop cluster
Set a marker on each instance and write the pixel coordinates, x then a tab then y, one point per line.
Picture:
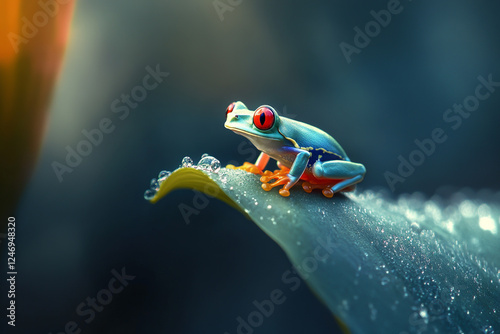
207	163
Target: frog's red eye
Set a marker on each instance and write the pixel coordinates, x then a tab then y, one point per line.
230	108
263	118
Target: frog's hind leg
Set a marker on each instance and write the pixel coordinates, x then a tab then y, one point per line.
349	172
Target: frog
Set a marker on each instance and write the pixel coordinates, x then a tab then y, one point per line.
302	152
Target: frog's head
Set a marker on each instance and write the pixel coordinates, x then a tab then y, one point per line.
261	123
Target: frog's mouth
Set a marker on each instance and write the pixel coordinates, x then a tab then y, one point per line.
247	134
239	131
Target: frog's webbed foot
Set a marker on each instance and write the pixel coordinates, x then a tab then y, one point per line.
326	189
247	167
281	177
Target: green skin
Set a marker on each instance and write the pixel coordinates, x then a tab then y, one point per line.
299	146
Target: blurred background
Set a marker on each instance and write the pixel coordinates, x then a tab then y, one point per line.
199	277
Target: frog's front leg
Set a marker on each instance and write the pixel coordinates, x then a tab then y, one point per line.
256	168
262	161
298	168
350	172
288	177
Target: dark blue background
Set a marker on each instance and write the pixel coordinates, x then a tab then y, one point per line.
199	277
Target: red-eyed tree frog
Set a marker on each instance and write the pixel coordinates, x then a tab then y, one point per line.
303	152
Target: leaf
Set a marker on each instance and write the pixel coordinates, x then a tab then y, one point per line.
410	266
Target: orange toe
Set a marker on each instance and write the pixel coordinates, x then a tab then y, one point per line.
276	178
247	167
325	188
307	187
284	192
327	192
266	186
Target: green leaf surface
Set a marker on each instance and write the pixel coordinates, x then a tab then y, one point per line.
409	266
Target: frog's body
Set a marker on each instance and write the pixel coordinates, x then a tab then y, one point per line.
302	151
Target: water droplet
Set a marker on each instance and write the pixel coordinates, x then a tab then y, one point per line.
423	313
149	194
484	210
488	224
155	186
468	208
488	329
415	227
223	178
163	175
385	280
209	163
187	162
216	166
269	207
205	155
256	203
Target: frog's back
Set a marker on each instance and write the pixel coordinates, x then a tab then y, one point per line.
312	139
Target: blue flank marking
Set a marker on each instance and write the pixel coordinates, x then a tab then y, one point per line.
324	157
